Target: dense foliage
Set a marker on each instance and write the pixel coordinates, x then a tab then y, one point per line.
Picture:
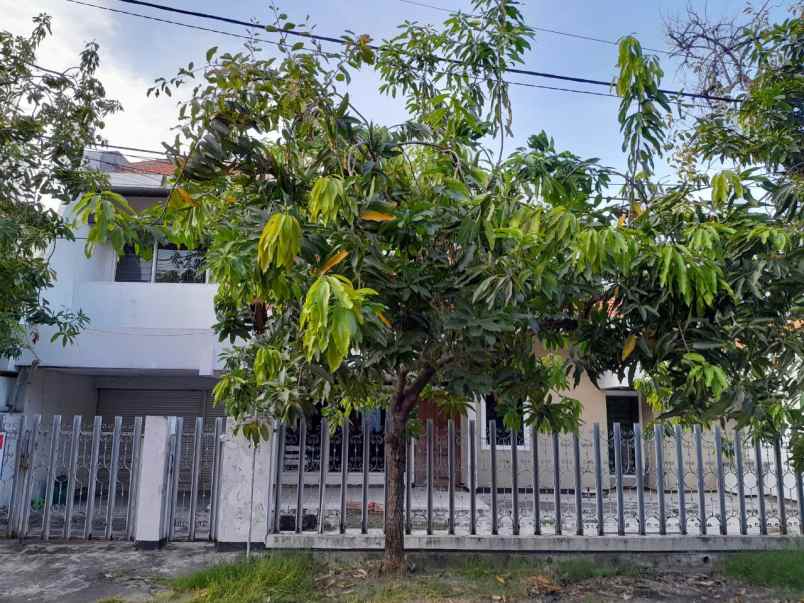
363	264
46	120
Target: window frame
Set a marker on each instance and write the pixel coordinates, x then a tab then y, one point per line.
152	278
484	426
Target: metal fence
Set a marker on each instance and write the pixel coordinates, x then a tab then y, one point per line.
78	479
193	467
666	480
74	480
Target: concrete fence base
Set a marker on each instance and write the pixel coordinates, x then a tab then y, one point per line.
539	544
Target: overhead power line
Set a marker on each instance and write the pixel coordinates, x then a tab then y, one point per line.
542	29
234	35
341	41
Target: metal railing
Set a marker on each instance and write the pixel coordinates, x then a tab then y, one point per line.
78	479
74	480
666	480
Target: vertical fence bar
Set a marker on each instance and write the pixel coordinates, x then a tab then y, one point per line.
111	499
178	443
33	443
721	480
364	503
72	472
576	444
598	478
682	506
492	432
472	484
515	482
323	462
134	477
556	483
658	433
738	459
429	476
195	472
93	476
451	476
763	518
55	433
18	483
410	449
280	465
640	477
344	474
777	453
700	471
300	474
215	481
537	524
800	495
618	475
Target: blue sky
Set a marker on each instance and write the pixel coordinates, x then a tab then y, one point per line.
135	51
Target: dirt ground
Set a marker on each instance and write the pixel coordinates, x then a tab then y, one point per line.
89	572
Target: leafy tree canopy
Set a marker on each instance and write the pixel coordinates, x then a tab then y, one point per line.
46	120
363	264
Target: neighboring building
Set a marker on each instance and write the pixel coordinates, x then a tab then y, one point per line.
149	347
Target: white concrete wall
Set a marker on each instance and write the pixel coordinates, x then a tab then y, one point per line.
237	508
52	392
151	528
132	325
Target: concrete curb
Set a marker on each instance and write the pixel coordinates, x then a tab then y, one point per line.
539	544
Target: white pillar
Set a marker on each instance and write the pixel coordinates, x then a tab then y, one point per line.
236	505
150	530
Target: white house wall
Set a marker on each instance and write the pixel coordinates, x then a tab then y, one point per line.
164	326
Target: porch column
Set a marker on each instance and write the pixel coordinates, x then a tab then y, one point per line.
236	507
150	529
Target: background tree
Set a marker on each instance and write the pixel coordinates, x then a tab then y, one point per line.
364	265
46	120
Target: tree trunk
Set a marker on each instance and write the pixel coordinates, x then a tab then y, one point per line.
394	560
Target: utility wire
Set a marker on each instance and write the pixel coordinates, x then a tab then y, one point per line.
227	33
341	41
542	29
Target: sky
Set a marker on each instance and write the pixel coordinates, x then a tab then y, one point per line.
135	51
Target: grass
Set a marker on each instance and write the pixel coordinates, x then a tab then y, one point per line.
280	577
776	569
295	577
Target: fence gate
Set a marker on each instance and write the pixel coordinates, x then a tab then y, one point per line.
78	479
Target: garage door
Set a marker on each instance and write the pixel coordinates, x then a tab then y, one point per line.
130	403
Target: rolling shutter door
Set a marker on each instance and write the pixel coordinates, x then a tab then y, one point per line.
130	403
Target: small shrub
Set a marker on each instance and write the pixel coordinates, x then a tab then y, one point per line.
780	569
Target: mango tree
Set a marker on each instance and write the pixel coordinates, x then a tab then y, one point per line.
365	265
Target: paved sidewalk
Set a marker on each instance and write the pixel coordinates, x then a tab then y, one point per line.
87	571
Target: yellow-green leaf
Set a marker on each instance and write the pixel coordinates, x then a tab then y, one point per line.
376	216
630	344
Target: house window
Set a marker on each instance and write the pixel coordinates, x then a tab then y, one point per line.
168	264
622	408
131	268
489	414
178	265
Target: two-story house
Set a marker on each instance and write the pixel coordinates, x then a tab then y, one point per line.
149	348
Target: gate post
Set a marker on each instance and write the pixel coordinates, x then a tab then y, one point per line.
153	489
235	505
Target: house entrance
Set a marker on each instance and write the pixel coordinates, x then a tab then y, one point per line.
622	409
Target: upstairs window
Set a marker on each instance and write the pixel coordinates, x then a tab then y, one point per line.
177	265
131	268
168	264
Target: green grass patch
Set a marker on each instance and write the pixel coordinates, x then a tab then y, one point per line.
778	569
278	577
569	571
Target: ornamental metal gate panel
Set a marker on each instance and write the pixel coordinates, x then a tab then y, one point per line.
193	467
663	480
73	479
78	479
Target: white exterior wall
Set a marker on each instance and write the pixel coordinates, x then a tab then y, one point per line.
165	326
